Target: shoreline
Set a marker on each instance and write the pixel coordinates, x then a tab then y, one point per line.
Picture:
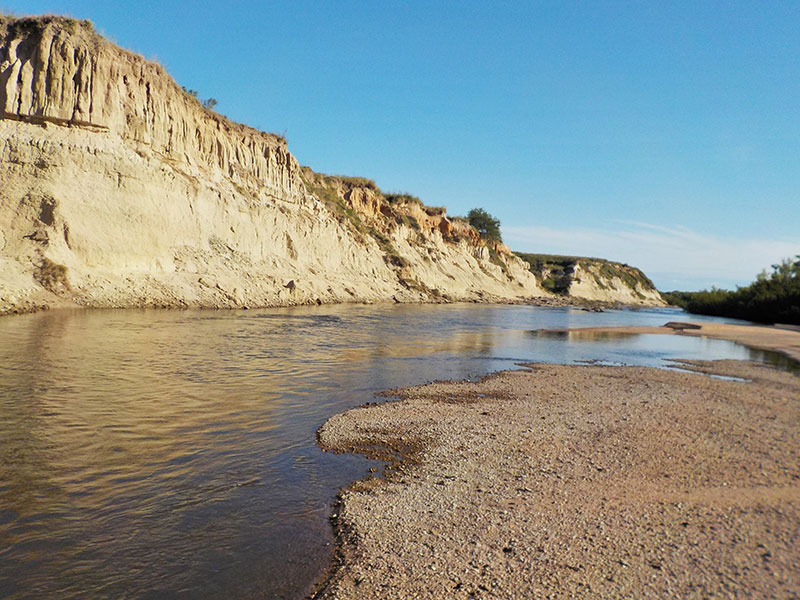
33	307
768	338
661	483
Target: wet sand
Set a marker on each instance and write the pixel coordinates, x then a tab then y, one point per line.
576	481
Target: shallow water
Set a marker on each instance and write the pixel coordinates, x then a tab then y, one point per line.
171	454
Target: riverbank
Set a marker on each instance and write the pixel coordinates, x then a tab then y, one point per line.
576	481
43	302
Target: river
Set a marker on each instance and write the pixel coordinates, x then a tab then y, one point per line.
171	454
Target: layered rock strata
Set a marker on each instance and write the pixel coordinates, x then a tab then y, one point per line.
120	189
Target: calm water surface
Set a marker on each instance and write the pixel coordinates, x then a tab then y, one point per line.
171	454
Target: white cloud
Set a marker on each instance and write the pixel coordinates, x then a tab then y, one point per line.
673	257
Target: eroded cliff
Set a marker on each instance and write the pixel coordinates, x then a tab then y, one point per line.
593	279
120	189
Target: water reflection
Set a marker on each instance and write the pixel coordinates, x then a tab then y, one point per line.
775	359
648	349
583	335
161	454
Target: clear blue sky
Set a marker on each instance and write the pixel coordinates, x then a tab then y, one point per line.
662	134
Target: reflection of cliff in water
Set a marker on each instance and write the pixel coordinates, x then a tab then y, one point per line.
579	335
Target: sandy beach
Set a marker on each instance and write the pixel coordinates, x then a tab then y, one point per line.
577	481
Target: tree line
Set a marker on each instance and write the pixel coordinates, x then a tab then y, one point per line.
771	298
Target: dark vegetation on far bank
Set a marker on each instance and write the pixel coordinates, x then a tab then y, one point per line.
771	298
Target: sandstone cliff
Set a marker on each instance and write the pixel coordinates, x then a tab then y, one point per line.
593	279
120	189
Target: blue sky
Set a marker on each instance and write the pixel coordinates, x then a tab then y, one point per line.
661	134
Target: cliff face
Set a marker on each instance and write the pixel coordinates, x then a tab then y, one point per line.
120	189
613	282
63	73
593	279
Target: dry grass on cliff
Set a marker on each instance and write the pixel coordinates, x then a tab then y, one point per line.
357	182
12	26
402	198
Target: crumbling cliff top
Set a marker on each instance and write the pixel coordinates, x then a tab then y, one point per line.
82	34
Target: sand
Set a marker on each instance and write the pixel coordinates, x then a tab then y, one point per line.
576	481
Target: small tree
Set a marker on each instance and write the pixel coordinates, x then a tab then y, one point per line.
487	225
210	103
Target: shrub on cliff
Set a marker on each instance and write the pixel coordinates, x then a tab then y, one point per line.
209	103
487	225
401	198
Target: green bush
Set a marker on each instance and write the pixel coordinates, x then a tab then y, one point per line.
771	298
487	225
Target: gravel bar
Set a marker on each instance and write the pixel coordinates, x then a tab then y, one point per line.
575	482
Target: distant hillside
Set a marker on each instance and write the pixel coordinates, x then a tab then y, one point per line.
591	278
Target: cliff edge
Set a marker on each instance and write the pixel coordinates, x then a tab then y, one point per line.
120	189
